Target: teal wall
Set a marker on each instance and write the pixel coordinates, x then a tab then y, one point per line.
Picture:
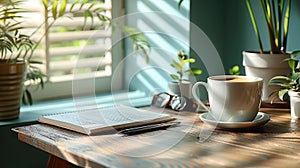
16	154
228	25
208	15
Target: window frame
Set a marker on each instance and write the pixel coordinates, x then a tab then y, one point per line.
64	89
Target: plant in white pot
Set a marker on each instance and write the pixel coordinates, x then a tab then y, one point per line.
267	63
181	86
290	84
16	48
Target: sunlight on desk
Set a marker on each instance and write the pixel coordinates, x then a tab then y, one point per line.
275	144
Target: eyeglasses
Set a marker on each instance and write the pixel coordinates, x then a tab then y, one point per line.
175	102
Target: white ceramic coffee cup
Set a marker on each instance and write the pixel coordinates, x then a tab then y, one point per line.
232	98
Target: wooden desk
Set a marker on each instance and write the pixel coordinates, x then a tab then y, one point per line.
276	144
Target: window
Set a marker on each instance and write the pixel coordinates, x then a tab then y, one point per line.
73	49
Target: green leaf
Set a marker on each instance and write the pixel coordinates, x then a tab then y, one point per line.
183	62
73	4
182	55
296	55
196	71
254	24
35	62
282	93
45	3
292	63
278	21
280	77
88	14
82	5
103	18
285	60
190	60
27	98
282	81
295	76
139	40
54	9
235	70
176	65
92	5
286	24
179	3
175	77
268	19
62	8
145	54
188	72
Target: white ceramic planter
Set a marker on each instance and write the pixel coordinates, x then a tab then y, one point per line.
295	104
265	66
183	88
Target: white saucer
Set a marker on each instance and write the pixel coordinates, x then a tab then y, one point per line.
259	120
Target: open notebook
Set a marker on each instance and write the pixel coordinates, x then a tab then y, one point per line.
99	120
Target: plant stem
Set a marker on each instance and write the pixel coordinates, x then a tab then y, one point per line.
266	8
286	25
255	25
280	5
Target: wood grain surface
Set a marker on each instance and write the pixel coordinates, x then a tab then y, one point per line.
276	144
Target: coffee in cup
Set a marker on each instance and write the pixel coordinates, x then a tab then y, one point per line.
232	98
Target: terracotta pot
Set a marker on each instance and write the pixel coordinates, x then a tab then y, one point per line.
11	89
265	66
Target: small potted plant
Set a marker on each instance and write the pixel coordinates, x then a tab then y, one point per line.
290	84
16	66
180	85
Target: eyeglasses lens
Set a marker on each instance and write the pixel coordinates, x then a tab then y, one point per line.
178	103
162	100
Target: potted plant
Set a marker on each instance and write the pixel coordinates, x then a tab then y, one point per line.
180	85
267	63
16	49
15	63
290	84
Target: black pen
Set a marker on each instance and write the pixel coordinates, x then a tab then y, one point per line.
147	128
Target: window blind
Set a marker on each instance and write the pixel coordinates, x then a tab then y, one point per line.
72	56
72	46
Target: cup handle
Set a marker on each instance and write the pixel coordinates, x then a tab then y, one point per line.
194	93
